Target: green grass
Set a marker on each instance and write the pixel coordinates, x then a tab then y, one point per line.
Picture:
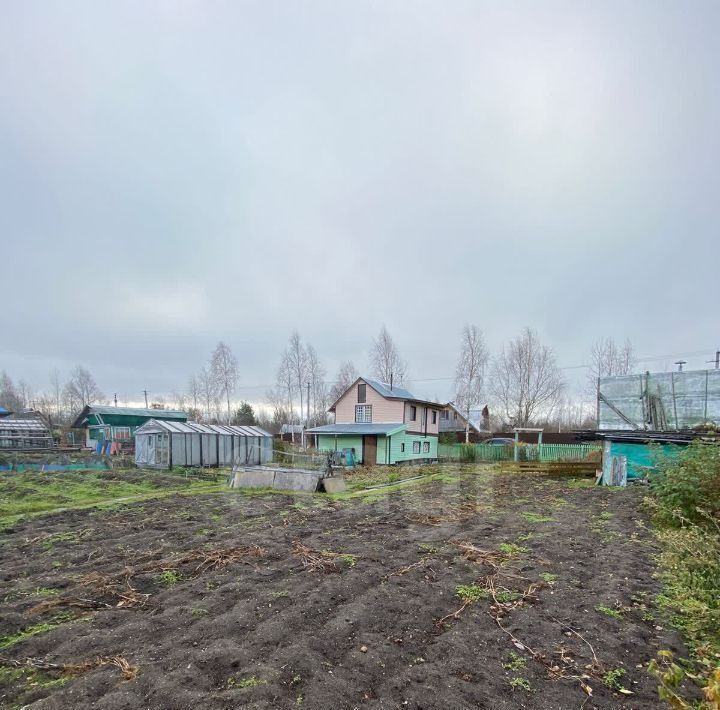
249	682
548	577
515	662
519	683
608	611
471	592
613	678
34	630
510	549
536	517
35	493
168	578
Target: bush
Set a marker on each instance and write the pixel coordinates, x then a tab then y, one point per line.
468	453
686	502
687	487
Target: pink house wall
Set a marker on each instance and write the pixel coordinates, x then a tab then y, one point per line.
419	425
384	411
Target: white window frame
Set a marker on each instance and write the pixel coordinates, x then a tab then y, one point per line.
426	447
117	429
416	447
363	413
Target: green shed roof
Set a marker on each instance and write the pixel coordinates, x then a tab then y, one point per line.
133	415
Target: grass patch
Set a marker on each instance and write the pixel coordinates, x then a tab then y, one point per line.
471	592
613	678
168	578
519	683
252	681
515	662
34	630
548	577
609	611
536	517
510	549
35	493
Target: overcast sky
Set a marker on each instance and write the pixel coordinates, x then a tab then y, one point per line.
176	173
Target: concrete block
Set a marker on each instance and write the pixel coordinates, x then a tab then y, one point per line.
254	479
296	480
335	484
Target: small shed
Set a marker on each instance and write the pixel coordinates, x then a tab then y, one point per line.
164	444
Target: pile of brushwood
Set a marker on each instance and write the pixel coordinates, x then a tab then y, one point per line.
685	498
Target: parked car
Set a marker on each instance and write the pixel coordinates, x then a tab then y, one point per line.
499	441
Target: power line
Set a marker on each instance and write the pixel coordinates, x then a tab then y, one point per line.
330	383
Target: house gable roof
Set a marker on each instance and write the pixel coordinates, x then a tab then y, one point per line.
126	412
384	390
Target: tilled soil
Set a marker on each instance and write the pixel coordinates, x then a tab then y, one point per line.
212	602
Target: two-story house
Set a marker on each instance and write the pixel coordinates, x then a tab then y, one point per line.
382	424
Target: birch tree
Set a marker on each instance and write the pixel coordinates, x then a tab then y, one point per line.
470	373
347	374
224	370
608	359
318	389
56	391
81	389
385	360
207	387
526	381
297	362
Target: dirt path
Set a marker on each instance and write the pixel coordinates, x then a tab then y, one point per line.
263	630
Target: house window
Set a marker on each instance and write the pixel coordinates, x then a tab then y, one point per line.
426	447
444	414
413	413
363	413
434	417
455	416
362	393
416	447
122	433
402	448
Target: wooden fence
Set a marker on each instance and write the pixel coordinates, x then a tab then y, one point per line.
526	452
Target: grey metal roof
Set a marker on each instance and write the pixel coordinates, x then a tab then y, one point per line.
24	425
395	393
171	427
385	429
138	412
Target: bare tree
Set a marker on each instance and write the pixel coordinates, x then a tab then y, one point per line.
526	381
347	374
608	359
318	389
9	396
470	373
224	369
385	361
207	388
194	392
297	362
56	391
284	392
81	389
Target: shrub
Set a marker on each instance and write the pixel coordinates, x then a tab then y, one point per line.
468	453
688	486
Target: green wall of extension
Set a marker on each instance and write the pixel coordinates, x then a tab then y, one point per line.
331	442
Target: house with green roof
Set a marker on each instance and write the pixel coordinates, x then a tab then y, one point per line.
381	424
107	423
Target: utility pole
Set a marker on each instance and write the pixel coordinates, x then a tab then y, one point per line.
716	360
146	402
307	420
115	398
680	363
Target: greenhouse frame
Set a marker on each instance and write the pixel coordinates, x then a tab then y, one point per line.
164	444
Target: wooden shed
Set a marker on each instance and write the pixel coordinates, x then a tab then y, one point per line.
164	444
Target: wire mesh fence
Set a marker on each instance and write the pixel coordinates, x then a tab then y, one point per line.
525	452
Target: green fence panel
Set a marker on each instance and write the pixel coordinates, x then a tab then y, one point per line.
526	452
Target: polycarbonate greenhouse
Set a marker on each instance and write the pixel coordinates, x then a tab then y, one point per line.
164	444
